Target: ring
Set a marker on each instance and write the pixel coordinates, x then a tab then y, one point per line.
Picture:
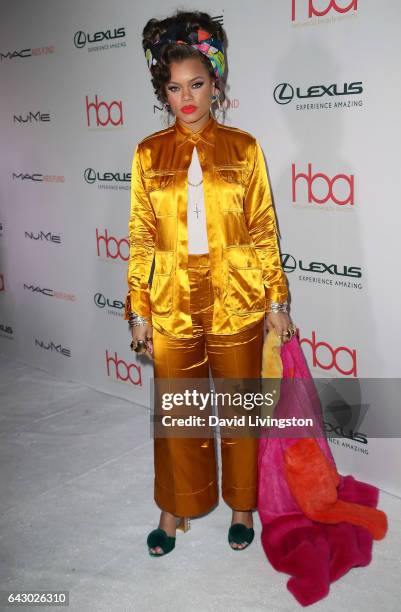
141	347
290	332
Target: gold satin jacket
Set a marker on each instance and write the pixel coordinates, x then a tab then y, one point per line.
241	229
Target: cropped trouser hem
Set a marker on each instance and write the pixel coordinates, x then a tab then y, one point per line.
240	498
187	504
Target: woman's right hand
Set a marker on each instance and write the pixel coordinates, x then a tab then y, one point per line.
144	332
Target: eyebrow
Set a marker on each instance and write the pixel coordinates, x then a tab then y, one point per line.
194	79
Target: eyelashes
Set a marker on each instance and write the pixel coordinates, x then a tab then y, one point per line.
200	83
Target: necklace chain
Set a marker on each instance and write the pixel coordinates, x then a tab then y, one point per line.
196	209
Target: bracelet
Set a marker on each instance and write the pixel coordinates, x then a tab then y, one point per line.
277	307
136	319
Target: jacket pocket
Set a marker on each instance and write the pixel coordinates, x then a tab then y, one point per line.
245	290
232	173
158	185
233	179
157	180
161	293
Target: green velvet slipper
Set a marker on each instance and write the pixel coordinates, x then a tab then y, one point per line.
239	534
158	537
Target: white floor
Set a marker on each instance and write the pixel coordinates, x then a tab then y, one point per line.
77	505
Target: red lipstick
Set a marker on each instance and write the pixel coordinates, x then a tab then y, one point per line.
189	109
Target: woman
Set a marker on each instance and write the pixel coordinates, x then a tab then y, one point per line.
201	209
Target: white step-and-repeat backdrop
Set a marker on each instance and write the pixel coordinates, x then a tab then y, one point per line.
318	82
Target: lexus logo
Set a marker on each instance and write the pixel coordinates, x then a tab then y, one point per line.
289	263
91	176
80	38
101	301
284	93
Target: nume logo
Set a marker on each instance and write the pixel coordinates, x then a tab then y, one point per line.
53	347
31	117
343	182
319	8
122	371
47	236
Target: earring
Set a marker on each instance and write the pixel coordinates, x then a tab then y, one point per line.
219	106
165	114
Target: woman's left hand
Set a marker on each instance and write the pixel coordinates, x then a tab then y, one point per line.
280	321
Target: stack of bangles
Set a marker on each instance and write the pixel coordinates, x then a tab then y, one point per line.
141	346
292	329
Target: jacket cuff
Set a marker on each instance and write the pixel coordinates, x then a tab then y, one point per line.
138	301
277	294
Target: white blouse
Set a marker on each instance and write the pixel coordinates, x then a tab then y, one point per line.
196	214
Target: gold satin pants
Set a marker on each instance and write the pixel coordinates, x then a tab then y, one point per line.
186	483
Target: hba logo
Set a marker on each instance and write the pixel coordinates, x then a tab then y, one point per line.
114	248
309	7
324	356
343	183
102	114
123	371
